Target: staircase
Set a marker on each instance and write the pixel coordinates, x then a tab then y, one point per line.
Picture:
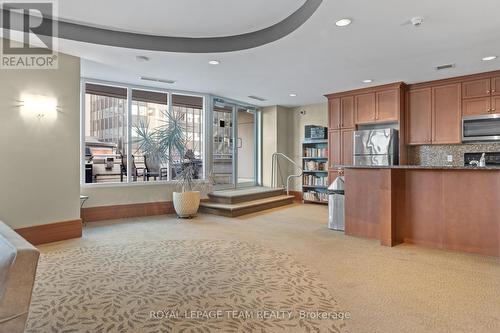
239	202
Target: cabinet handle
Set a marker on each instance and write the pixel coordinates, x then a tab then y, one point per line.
493	110
489	110
487	91
493	91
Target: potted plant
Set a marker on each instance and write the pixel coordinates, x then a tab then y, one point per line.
167	144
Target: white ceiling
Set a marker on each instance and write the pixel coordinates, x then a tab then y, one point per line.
316	59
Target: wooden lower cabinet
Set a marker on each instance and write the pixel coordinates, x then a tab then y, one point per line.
495	104
334	148
347	146
441	208
476	106
340	147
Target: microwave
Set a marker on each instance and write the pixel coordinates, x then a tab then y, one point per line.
481	128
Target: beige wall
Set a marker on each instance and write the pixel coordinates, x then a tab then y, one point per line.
39	165
269	141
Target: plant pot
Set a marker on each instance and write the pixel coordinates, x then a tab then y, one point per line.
186	204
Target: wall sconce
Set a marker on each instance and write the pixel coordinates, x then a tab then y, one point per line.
39	107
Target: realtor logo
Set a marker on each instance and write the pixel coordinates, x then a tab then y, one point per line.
29	35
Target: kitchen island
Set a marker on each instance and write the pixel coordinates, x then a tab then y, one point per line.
454	208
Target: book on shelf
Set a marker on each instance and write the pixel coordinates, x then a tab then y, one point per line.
312	180
315	152
314	166
315	196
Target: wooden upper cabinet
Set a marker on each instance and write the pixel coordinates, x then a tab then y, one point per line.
387	105
365	108
476	106
334	118
419	115
495	86
347	112
334	148
347	147
446	114
476	88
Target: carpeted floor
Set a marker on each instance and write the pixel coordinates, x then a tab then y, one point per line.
121	270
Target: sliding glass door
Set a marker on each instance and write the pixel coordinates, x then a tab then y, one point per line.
234	150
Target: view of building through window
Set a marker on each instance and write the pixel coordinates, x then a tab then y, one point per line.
107	130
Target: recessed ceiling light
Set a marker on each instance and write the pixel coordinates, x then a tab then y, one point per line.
489	58
368	81
214	62
292	95
141	58
343	22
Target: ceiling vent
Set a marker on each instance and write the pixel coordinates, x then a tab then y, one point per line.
157	80
257	98
448	66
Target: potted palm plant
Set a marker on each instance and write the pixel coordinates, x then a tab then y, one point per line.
166	144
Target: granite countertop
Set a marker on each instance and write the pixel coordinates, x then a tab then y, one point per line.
418	167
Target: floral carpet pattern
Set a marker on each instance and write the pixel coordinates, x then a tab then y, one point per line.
179	286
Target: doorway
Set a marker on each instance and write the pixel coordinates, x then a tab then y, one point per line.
234	145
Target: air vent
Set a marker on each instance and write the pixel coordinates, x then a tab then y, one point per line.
448	66
157	80
257	98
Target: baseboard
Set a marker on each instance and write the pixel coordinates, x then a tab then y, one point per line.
53	232
297	195
93	214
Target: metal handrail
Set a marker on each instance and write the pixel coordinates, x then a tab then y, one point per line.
274	164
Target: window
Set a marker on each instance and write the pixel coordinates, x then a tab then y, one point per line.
123	143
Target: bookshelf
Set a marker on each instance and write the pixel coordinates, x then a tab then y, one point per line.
315	166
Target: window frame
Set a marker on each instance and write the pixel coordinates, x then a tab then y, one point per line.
205	129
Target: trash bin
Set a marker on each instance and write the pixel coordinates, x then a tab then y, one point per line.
336	204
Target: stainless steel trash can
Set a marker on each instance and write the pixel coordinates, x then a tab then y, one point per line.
336	204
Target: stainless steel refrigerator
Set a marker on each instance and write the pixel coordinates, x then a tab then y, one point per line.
376	147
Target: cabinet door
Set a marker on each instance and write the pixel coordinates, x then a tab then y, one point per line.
447	114
365	108
334	113
495	86
347	147
387	105
476	88
334	149
419	116
476	106
347	112
495	104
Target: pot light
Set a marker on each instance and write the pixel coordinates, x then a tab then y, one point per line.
489	58
343	22
141	58
292	95
368	81
214	62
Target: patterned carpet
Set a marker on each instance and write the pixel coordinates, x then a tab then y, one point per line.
179	286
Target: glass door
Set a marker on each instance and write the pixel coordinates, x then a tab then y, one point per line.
223	166
245	146
234	145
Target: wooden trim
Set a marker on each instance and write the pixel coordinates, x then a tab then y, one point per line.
456	79
297	195
102	213
395	85
53	232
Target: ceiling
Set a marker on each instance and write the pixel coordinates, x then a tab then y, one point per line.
316	59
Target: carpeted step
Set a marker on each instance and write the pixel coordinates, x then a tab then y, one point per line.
244	194
242	208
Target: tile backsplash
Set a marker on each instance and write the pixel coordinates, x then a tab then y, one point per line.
436	155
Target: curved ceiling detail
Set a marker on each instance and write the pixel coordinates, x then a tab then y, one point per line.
109	37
